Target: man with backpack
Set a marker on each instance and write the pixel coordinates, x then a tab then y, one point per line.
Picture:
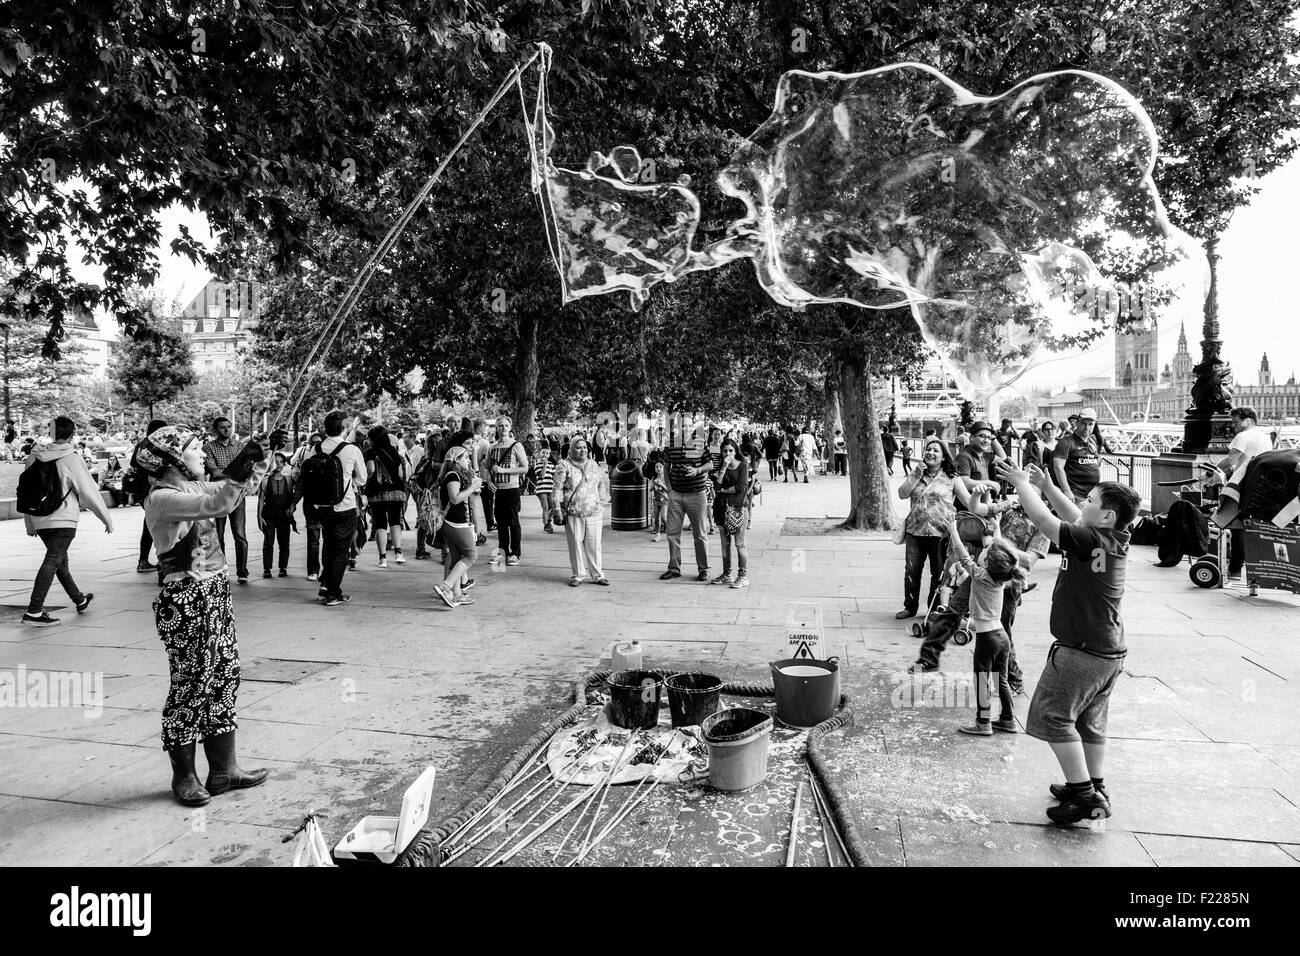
52	489
331	481
312	519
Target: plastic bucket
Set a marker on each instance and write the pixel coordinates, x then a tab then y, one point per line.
634	699
737	740
692	697
806	691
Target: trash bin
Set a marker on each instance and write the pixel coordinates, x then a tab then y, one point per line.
627	492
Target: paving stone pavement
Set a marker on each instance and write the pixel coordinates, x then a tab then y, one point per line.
346	706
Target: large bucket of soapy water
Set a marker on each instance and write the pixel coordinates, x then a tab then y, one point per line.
634	699
737	740
692	697
806	691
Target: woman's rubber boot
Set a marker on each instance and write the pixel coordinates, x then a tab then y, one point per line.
185	782
224	772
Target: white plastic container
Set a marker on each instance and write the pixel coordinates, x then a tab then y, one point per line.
804	635
625	657
381	839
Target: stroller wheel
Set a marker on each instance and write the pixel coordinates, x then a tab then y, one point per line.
962	636
918	630
1205	573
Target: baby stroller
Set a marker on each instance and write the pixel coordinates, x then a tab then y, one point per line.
975	533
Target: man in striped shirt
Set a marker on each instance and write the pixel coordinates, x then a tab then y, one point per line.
688	468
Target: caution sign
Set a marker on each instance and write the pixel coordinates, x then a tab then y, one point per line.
803	632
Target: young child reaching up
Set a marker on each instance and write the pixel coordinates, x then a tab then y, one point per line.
1070	704
996	566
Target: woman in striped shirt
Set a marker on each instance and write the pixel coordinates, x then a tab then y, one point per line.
544	481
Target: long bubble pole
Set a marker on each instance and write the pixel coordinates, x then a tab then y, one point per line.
307	372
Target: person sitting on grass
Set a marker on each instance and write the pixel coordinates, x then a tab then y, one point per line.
996	566
1070	704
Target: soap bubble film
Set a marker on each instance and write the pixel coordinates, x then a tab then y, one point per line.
1013	228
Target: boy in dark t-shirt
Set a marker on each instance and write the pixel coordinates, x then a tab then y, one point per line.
1070	704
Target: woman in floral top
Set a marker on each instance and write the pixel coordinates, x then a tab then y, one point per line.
934	492
581	491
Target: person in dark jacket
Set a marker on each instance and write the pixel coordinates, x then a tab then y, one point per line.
890	446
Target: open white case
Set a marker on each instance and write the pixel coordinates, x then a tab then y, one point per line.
381	839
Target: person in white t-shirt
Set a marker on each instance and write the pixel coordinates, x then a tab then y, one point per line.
1250	440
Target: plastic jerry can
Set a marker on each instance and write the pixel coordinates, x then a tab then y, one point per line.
626	656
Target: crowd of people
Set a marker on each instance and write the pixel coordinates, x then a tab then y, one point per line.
964	496
467	480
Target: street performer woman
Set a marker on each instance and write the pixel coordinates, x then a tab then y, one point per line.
193	611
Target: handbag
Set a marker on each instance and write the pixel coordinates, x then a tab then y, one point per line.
733	519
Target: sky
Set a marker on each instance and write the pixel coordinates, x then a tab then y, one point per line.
1259	290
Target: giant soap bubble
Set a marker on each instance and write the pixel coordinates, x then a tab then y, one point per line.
1006	226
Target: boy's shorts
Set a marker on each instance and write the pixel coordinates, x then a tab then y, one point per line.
1073	697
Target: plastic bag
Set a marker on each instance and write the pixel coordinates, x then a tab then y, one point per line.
311	849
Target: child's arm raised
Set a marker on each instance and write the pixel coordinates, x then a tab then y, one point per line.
1025	482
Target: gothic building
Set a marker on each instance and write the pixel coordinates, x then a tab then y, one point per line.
1274	402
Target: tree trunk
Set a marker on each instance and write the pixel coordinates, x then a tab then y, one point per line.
526	374
870	504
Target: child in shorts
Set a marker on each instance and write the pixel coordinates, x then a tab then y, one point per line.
1072	699
990	574
659	510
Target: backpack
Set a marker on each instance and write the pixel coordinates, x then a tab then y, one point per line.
277	495
40	489
323	484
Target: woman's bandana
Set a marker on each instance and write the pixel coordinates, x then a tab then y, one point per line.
162	448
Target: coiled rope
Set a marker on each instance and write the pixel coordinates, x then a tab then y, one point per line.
426	848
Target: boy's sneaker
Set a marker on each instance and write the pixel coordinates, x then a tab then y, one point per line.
1060	791
352	565
723	578
1006	726
703	575
977	729
398	556
336	601
741	582
512	560
267	574
464	599
313	577
40	620
144	567
284	572
322	594
1075	809
444	592
84	602
466	584
422	555
655	539
383	561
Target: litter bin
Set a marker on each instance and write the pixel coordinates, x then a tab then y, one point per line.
627	492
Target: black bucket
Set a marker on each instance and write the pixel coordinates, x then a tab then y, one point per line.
634	699
806	691
692	697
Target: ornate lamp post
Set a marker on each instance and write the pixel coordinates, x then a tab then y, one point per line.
1207	428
